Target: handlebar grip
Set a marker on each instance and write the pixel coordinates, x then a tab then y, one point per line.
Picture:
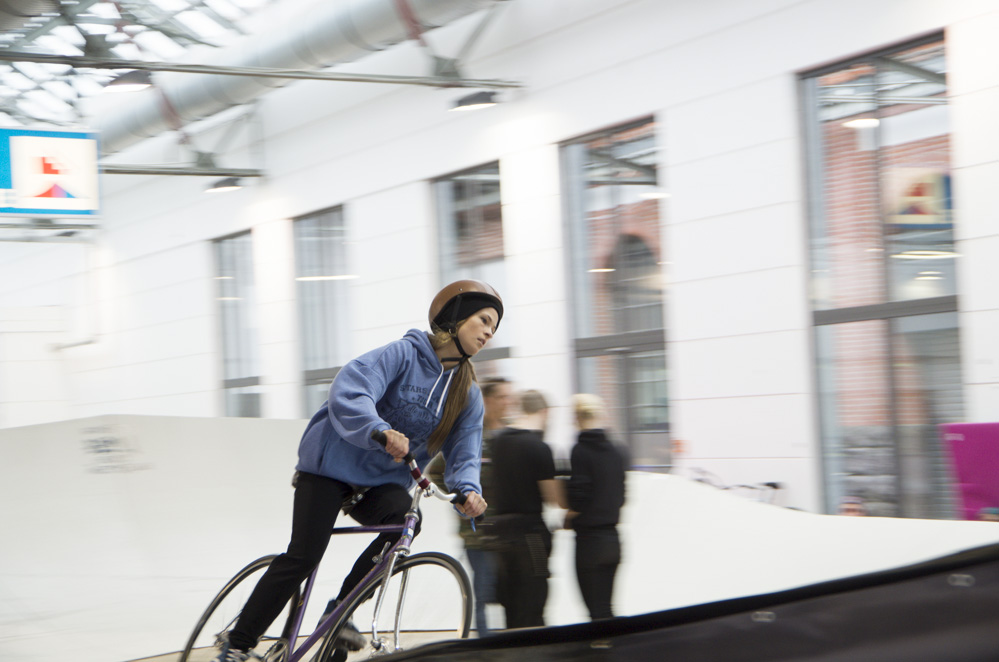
379	436
460	499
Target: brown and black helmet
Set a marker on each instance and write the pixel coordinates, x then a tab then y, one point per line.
460	300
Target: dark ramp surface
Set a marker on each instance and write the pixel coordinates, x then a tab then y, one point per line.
945	610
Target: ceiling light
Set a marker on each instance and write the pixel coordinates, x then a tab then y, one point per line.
603	270
924	255
475	101
308	279
225	185
132	81
654	195
863	123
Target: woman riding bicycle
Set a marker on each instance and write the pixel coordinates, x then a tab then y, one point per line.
420	390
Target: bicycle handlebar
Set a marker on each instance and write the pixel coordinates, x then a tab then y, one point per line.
421	480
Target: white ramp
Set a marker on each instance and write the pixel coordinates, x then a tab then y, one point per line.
118	530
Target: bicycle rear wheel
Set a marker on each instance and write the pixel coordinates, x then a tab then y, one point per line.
219	618
436	605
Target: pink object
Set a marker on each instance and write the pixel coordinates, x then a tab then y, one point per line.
974	452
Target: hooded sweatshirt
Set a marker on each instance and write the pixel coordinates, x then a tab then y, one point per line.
400	386
596	486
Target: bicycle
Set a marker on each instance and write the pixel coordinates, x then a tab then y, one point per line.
426	573
761	492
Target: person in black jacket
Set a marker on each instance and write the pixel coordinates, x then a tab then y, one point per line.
596	494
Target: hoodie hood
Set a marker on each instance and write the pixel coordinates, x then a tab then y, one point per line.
420	340
425	350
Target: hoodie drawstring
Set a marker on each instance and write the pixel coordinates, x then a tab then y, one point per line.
440	403
430	395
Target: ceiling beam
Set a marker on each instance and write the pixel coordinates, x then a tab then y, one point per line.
111	169
912	70
46	225
84	62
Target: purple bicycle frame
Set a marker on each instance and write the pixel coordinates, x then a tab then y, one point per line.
408	530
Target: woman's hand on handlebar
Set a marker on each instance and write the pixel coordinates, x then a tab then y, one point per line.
474	505
396	444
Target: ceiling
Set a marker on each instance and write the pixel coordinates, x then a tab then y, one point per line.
38	93
56	56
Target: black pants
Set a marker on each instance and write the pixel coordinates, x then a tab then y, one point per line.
317	503
598	553
522	569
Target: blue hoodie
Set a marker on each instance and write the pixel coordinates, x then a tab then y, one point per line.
400	386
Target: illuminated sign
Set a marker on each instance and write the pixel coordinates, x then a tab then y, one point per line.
48	173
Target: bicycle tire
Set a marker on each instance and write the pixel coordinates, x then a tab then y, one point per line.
222	612
450	602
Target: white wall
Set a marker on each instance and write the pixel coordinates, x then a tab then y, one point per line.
723	94
974	89
125	527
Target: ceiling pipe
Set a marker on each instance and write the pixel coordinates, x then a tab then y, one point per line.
329	33
15	13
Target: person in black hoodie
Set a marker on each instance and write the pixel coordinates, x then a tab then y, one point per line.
596	494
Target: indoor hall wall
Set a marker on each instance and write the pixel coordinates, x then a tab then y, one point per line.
155	348
36	285
738	318
973	52
737	311
738	315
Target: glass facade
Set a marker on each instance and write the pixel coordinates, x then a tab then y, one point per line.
612	202
321	283
883	277
470	222
880	154
238	323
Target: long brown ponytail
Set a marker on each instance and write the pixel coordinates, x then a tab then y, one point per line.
457	394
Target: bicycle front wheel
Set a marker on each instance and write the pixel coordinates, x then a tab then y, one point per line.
430	597
219	618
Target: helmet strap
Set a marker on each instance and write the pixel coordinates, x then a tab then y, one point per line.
457	343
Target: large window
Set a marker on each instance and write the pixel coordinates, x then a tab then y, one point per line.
612	198
470	220
237	312
321	277
883	281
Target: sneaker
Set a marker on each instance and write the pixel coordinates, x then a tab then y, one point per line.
349	638
228	654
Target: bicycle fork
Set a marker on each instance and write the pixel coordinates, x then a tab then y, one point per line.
412	517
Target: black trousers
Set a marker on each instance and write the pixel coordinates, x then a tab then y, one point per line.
522	568
598	553
318	501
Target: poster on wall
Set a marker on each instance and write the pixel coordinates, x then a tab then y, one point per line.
918	199
974	452
48	173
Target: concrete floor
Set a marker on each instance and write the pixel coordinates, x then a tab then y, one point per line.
418	639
